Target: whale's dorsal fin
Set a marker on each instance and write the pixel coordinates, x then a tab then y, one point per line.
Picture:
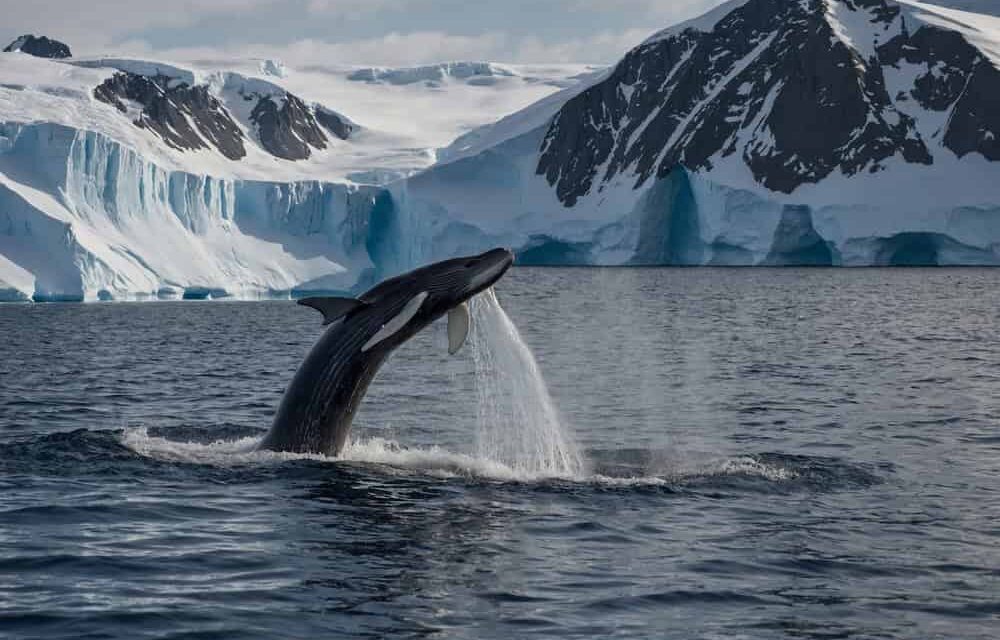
332	308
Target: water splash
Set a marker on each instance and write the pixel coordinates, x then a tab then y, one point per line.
519	435
518	425
394	458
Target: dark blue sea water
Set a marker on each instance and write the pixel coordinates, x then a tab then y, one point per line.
769	454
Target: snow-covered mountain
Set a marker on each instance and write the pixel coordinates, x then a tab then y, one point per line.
766	132
124	178
838	132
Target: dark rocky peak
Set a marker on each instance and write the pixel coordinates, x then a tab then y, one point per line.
792	89
335	123
40	47
951	76
190	114
974	126
289	128
186	117
881	12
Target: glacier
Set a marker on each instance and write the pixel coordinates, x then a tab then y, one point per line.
94	207
83	217
903	216
434	75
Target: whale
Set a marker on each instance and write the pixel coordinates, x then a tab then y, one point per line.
322	400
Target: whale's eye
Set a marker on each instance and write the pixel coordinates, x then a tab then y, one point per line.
470	264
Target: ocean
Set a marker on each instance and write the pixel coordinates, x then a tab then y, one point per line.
631	453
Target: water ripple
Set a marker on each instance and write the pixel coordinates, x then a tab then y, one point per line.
779	454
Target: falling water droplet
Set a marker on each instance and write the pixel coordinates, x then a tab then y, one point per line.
518	423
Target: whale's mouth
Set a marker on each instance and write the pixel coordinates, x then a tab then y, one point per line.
490	267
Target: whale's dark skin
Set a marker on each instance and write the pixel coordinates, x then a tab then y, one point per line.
319	405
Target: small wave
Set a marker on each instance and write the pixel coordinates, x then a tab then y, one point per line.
751	466
439	462
743	467
777	472
223	452
434	461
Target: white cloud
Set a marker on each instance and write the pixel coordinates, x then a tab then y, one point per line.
394	49
594	31
672	11
605	47
90	25
357	9
421	47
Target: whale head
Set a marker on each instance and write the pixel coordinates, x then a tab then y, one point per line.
395	310
404	305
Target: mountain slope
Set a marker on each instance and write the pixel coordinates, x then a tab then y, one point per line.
796	90
765	132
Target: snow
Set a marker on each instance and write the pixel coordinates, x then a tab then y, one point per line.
979	29
402	125
92	206
122	225
18	44
519	123
434	74
713	93
930	124
853	24
139	67
274	68
410	122
854	27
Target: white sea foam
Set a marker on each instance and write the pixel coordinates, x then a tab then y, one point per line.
431	461
747	466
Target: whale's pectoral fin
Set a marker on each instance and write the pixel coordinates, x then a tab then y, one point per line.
332	308
458	327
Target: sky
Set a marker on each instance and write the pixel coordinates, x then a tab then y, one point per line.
369	32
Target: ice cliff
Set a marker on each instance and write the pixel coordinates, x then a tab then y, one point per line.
83	217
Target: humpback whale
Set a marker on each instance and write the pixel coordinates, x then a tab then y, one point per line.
319	405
